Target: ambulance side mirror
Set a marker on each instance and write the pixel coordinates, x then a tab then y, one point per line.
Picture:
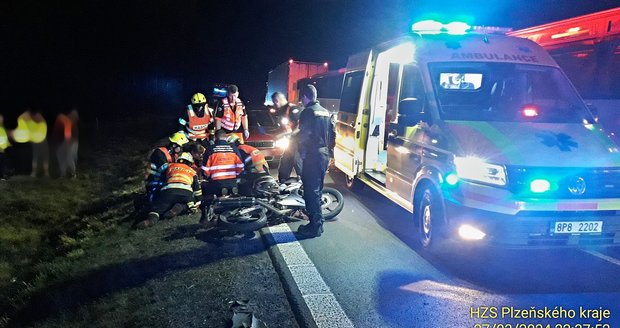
411	112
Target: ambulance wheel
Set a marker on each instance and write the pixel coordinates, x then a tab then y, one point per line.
353	183
428	218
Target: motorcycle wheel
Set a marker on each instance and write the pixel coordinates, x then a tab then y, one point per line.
332	203
245	219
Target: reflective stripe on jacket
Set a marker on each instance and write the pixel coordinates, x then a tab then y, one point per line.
231	120
197	127
223	163
4	139
179	176
254	158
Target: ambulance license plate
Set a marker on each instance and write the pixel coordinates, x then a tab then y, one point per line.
577	227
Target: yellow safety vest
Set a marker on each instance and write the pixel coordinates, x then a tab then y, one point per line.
38	130
21	134
4	140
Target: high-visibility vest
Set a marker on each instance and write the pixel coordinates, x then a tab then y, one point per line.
64	124
37	129
4	139
21	134
231	120
197	126
255	158
179	176
223	163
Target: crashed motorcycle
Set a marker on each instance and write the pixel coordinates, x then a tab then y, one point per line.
271	203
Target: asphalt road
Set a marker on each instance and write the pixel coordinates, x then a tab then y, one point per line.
369	260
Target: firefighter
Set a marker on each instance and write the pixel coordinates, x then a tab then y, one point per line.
255	165
221	167
180	190
198	151
230	115
316	139
196	120
254	161
290	158
160	159
4	144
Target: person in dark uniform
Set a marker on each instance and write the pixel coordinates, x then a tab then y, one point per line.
290	159
316	138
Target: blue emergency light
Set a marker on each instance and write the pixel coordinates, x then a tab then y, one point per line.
455	28
219	92
434	27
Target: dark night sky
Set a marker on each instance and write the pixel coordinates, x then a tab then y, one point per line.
111	52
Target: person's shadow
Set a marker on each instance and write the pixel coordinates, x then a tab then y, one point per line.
68	295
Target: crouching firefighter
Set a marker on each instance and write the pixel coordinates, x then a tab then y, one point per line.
255	164
222	166
179	192
159	160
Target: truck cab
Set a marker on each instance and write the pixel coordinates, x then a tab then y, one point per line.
481	137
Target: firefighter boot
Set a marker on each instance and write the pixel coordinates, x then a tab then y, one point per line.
174	211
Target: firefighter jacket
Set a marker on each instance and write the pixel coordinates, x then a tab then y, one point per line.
182	176
253	159
160	159
222	161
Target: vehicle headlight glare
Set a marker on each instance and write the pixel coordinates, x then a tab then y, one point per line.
284	121
282	143
475	169
469	232
540	185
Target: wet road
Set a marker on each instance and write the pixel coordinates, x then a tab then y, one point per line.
369	260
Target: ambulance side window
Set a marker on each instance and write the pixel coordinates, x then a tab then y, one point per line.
351	91
411	85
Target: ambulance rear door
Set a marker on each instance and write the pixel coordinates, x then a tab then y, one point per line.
352	119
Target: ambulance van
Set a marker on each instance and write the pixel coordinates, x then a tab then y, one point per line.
481	137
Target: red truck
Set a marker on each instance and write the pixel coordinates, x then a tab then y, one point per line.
284	78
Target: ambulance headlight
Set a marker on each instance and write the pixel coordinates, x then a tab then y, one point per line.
284	121
282	143
477	170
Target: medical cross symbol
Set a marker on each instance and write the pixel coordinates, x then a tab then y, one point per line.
561	140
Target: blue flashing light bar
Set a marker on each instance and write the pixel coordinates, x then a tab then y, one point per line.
434	27
454	28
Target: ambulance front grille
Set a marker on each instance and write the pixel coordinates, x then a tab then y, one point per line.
594	182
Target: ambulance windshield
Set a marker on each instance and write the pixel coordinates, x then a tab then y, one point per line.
506	92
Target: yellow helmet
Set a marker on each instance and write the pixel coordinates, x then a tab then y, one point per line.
232	138
198	98
178	138
186	157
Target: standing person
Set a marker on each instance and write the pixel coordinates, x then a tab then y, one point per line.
37	129
66	133
290	159
180	190
316	138
230	114
4	144
195	121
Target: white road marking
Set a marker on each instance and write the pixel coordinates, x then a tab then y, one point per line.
603	257
325	309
